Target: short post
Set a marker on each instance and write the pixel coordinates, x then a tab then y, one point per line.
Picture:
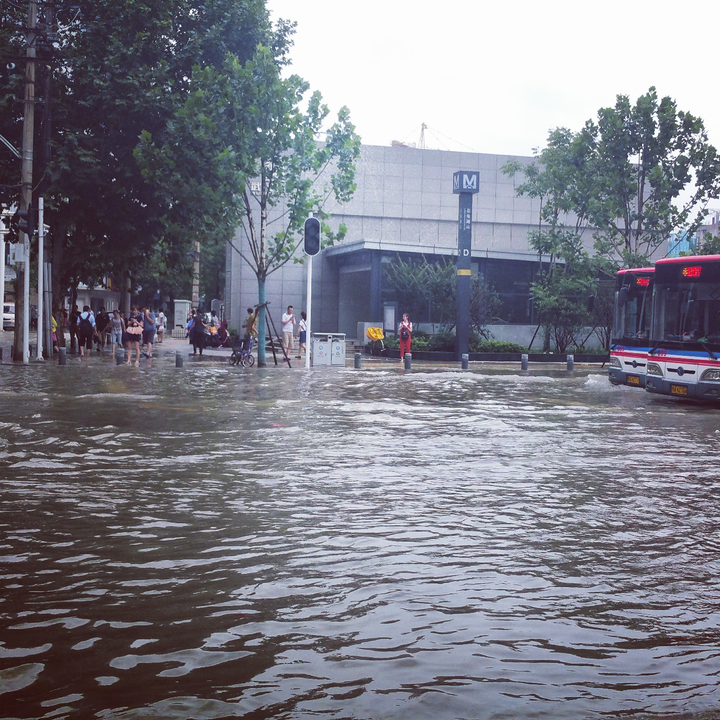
524	361
408	361
62	356
358	361
570	362
465	358
0	354
119	357
178	359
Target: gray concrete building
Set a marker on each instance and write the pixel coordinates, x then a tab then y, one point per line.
404	207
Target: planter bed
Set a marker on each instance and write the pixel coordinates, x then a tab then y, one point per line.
444	356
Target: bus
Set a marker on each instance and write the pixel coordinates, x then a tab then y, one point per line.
684	355
629	343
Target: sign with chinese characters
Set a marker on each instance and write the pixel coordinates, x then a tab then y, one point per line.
466	181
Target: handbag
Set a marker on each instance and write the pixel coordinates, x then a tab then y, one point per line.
134	330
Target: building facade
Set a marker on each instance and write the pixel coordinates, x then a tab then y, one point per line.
404	207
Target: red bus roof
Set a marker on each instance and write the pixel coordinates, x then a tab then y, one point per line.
691	259
636	270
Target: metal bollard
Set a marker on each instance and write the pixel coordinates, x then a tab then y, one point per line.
465	359
408	361
62	356
119	357
570	362
524	362
178	359
358	361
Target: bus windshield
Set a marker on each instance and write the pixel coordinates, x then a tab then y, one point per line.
632	310
687	312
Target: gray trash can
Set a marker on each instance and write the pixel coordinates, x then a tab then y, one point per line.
337	349
321	349
328	349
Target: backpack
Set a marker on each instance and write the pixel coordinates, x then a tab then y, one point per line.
404	334
85	325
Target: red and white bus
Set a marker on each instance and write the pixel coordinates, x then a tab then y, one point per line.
684	355
629	344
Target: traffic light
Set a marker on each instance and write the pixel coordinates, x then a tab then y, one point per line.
25	221
312	236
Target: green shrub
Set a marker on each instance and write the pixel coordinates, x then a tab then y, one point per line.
479	345
444	341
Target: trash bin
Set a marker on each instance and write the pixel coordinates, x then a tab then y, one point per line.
321	349
328	349
337	349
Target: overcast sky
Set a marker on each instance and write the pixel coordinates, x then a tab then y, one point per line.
495	77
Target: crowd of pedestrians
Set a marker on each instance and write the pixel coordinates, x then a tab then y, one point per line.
206	331
136	333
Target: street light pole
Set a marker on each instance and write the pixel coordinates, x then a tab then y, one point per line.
26	181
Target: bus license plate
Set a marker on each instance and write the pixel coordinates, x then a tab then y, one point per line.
633	380
678	390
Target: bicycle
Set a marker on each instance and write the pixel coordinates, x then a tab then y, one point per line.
241	356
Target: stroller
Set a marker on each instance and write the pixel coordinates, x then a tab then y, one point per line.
219	338
376	337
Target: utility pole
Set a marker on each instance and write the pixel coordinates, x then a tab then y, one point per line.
21	347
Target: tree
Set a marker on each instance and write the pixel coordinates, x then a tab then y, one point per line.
263	149
485	306
560	181
121	67
625	179
654	172
418	285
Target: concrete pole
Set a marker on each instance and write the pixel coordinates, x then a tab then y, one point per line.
41	277
26	174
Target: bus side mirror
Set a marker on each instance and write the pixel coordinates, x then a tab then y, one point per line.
623	294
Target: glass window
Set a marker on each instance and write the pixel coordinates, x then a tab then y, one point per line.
687	312
632	313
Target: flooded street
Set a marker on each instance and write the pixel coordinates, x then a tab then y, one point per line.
213	542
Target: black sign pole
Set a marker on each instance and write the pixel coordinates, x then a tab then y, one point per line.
465	184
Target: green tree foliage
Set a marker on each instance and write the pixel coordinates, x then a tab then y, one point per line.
560	291
124	67
12	75
628	180
420	286
259	131
709	245
654	174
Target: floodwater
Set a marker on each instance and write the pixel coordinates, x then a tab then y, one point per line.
213	542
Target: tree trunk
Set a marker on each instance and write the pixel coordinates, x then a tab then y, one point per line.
261	322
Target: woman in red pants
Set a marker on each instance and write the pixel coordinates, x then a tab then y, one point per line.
405	335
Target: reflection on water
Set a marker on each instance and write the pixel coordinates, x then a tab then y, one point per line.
212	542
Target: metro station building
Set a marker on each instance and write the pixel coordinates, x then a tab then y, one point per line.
404	207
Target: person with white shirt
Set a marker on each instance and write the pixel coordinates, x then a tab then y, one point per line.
288	325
